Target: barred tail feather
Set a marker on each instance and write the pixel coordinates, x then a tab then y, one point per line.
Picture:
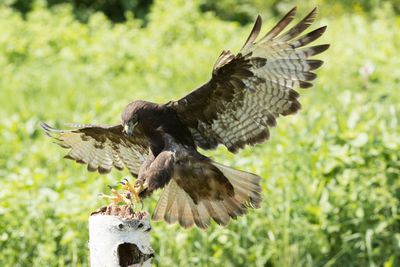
246	185
175	205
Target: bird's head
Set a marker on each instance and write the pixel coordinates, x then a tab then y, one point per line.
135	113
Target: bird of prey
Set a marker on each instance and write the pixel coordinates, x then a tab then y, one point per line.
158	143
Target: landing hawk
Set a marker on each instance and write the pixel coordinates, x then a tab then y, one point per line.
158	143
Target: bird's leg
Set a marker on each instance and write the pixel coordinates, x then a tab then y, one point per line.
116	197
134	189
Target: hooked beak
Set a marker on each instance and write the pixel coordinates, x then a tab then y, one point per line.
128	129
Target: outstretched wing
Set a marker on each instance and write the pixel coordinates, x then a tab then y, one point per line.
248	91
101	147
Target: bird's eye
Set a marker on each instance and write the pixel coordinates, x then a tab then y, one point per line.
134	119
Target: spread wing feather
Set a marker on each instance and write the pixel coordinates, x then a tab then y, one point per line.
248	91
101	147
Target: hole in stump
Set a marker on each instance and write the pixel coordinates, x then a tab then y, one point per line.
129	254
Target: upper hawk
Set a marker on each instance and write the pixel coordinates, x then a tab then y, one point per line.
158	142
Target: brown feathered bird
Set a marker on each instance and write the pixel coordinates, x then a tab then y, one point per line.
236	107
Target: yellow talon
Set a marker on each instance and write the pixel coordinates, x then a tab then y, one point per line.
134	190
128	186
129	196
137	189
117	197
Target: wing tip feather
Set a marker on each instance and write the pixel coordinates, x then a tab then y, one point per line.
254	32
281	25
318	49
314	63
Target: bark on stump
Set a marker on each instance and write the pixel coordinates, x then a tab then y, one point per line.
119	237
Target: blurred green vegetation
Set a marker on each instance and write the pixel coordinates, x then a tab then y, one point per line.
331	173
242	11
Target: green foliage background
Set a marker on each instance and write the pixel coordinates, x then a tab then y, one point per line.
331	173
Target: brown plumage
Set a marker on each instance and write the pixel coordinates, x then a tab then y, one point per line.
158	142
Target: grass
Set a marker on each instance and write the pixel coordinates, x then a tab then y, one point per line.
331	183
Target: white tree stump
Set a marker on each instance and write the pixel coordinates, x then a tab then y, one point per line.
119	237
